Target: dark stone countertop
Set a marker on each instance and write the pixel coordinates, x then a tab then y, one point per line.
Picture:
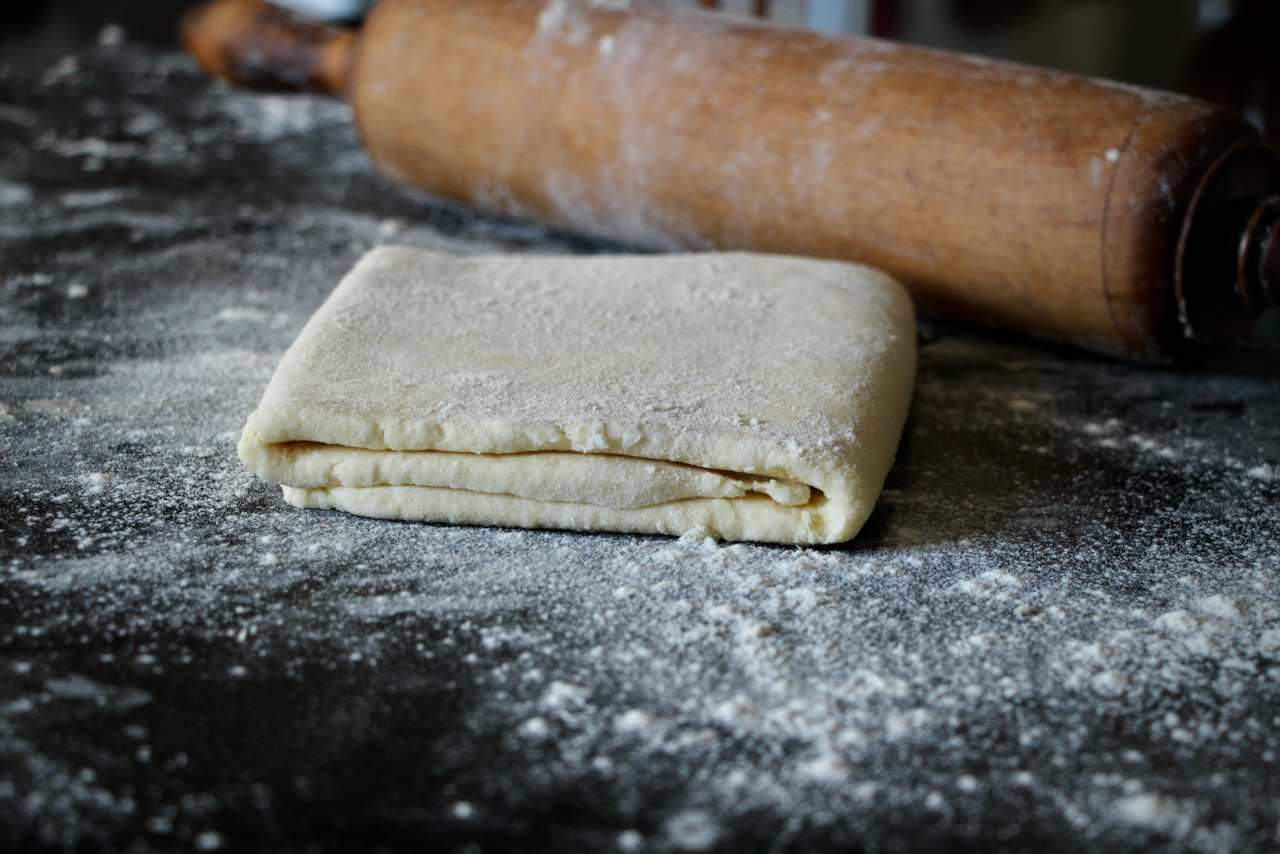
1060	630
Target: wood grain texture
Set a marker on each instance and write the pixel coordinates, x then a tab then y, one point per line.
1072	209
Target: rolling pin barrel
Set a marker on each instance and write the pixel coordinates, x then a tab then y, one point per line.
1122	220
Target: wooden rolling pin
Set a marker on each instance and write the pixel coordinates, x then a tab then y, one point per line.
1122	220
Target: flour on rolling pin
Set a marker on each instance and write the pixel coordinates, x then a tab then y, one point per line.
1123	220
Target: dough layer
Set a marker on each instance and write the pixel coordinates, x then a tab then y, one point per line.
757	397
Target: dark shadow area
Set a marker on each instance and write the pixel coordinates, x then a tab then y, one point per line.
36	33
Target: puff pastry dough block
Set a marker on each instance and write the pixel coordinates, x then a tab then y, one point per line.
755	397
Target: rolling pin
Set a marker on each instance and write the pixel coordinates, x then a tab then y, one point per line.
1122	220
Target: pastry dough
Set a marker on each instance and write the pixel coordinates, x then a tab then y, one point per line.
756	397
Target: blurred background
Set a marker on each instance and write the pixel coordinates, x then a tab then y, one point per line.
1225	50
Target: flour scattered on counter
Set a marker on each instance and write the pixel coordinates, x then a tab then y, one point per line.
92	198
635	720
563	694
692	831
630	840
15	195
112	35
1077	646
1157	812
209	840
1266	471
65	70
242	315
827	768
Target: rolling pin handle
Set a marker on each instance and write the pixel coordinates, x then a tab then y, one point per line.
256	44
1259	269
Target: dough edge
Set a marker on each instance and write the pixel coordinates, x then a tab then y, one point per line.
844	487
848	472
755	518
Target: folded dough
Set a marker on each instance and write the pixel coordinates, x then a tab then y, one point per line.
757	397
